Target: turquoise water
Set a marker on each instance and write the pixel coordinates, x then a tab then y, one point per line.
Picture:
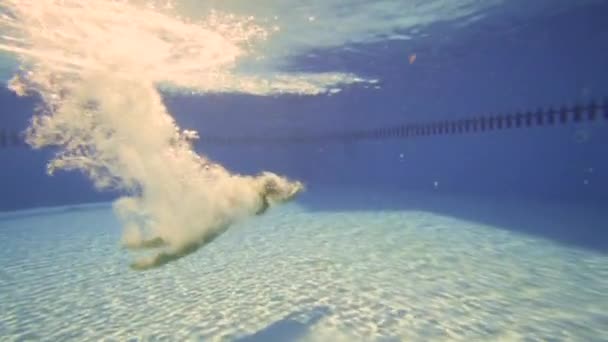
300	274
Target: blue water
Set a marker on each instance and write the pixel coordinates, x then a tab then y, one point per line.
477	237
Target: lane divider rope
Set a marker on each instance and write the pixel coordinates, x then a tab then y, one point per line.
548	117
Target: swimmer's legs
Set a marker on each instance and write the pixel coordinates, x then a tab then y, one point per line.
163	258
147	244
166	257
274	190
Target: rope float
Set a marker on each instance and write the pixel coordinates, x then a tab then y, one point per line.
526	119
549	117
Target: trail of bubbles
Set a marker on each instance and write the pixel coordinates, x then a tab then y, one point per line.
97	66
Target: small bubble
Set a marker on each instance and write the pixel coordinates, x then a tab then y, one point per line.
412	58
586	182
436	184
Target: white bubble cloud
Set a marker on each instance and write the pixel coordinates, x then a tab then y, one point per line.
97	66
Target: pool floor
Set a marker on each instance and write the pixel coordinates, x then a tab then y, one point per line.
301	274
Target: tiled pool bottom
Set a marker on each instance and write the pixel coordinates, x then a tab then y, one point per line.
299	275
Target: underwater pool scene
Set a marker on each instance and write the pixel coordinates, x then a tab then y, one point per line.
389	170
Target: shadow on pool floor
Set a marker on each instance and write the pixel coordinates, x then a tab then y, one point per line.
288	329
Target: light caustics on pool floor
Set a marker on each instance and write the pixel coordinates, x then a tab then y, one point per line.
297	275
